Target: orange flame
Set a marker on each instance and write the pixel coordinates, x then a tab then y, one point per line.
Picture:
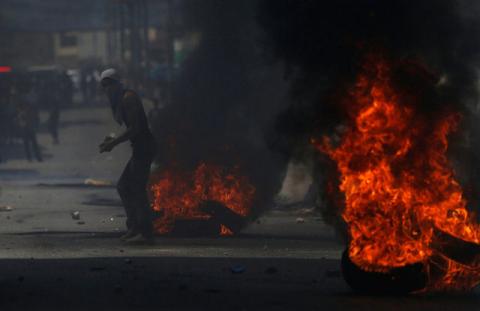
178	195
398	184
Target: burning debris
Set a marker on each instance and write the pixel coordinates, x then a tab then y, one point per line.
405	210
211	200
395	194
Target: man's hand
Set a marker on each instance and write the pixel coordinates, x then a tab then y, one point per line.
107	145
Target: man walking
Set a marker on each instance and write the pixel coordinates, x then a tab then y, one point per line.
127	110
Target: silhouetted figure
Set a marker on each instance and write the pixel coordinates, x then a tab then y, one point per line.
27	120
66	88
132	187
53	102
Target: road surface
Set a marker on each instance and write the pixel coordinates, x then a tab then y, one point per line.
50	261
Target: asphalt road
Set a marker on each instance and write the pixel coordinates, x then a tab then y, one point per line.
50	261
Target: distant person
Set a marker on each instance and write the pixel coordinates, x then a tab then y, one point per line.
127	110
27	120
49	96
66	88
54	101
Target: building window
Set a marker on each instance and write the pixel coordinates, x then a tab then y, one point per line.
68	40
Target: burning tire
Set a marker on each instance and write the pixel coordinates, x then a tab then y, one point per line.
397	281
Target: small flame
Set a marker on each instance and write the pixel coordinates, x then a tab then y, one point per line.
398	184
178	195
224	231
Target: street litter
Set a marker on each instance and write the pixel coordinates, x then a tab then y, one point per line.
97	182
237	269
76	215
6	208
300	220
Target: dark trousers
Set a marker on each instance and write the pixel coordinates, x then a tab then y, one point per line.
53	120
132	188
30	141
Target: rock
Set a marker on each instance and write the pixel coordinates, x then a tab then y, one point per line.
97	182
237	269
6	208
75	215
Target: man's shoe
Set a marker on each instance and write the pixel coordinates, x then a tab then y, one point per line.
139	239
129	234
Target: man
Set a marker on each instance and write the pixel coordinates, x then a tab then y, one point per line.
27	120
132	187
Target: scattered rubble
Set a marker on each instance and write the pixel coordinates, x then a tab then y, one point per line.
300	220
75	215
97	182
237	269
6	208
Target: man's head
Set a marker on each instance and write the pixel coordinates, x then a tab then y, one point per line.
110	81
109	77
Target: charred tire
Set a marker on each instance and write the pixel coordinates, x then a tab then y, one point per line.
398	281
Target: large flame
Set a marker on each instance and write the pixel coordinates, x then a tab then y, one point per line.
398	185
179	195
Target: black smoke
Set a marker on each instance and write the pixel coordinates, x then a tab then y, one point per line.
224	95
322	45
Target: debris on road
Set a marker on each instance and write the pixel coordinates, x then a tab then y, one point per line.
306	211
76	215
237	269
300	220
6	208
97	182
80	222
